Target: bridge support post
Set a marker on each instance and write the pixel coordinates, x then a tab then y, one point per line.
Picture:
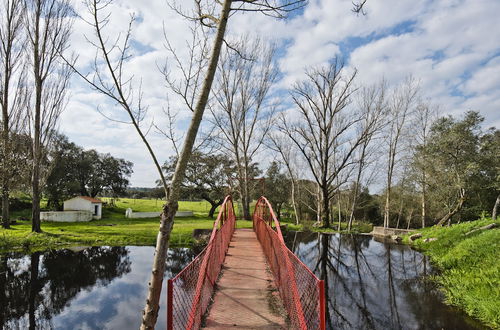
322	309
170	302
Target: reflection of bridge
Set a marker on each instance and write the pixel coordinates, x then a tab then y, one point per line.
242	297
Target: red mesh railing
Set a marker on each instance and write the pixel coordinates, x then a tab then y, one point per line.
301	291
189	293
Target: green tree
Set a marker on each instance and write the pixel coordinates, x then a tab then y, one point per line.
278	187
86	172
207	177
454	162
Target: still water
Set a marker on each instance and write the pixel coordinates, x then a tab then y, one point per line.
91	288
370	285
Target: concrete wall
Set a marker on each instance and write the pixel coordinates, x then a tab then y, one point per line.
66	216
136	215
384	232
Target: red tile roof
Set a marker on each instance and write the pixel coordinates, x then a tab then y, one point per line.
90	199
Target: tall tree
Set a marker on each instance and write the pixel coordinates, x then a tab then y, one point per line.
48	26
373	106
326	130
402	102
13	94
242	113
425	114
454	161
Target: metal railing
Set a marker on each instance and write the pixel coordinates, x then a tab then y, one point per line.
189	293
302	293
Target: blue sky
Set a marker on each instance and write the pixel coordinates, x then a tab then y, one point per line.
451	46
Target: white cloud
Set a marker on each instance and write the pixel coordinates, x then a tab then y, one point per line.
451	46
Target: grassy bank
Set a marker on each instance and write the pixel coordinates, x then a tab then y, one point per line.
357	227
470	266
113	229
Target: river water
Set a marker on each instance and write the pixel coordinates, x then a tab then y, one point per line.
371	285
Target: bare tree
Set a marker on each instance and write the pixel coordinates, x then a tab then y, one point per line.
278	143
241	112
12	92
325	130
373	106
401	105
48	26
425	115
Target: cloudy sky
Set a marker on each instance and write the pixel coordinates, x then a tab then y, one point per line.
451	46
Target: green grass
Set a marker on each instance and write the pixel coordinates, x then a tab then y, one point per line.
357	227
114	229
470	267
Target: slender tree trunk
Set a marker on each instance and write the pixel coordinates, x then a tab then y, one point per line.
35	179
387	207
495	208
410	216
399	213
6	154
424	204
325	210
294	203
150	312
340	213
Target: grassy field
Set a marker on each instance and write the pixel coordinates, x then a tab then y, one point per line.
113	229
470	266
116	230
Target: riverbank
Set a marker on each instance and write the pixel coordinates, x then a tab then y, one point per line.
469	264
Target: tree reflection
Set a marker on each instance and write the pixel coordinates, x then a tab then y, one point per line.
373	285
35	288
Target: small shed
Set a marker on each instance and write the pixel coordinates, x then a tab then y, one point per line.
84	203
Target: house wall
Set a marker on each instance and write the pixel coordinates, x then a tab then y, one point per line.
78	204
66	216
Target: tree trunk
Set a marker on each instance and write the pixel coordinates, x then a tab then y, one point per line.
495	208
5	206
387	207
150	312
325	207
213	206
457	208
410	216
294	203
6	159
399	213
424	204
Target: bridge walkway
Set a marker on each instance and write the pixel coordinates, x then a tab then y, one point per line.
244	298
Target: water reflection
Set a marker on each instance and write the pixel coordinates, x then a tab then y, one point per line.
375	285
94	288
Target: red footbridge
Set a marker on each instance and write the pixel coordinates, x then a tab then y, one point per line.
229	283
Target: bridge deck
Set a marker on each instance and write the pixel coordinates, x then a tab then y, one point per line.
242	300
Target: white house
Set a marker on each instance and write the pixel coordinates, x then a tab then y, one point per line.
84	203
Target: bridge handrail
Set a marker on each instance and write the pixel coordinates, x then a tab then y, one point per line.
301	291
190	291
